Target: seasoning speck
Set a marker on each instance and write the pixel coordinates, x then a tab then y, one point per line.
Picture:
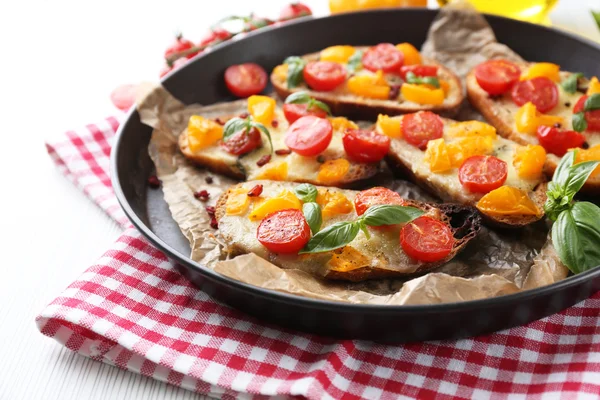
154	182
283	152
219	121
557	125
210	210
209	179
394	92
213	223
320	159
202	195
244	115
567	104
274	123
263	160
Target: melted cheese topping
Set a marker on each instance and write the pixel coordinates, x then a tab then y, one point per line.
447	183
382	249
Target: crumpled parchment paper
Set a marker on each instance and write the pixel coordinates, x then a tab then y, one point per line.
495	263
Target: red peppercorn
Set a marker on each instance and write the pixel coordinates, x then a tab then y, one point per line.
210	210
154	182
244	115
263	160
283	152
202	195
209	179
274	123
255	191
219	121
213	223
394	92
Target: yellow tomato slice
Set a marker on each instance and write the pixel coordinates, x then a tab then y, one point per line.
262	108
202	133
341	124
529	161
507	200
437	156
237	201
543	69
346	259
528	119
411	54
471	128
332	171
371	86
339	54
421	94
391	127
591	154
594	87
276	172
283	201
333	203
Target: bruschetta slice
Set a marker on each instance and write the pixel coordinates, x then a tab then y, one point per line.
537	103
299	142
363	82
342	234
468	163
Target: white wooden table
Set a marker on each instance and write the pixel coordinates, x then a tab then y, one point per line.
60	61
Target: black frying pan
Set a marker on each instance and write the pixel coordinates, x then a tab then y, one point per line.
201	81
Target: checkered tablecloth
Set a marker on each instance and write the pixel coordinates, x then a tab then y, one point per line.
133	309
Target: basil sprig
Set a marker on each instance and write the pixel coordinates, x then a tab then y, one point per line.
569	85
235	125
355	62
312	213
411	77
295	68
341	233
304	98
576	232
306	192
591	103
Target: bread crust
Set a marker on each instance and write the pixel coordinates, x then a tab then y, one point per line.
464	221
369	109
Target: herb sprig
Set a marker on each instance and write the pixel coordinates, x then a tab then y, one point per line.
355	62
411	77
569	85
591	103
295	69
235	125
304	98
575	232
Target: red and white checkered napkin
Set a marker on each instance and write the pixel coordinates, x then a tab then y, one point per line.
134	310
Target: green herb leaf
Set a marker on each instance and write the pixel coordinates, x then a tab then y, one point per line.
412	78
233	126
312	213
569	85
333	237
295	68
576	235
390	215
579	122
264	130
596	15
306	192
302	97
579	173
561	174
592	102
355	62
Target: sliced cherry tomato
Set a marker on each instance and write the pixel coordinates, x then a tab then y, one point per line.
294	111
294	10
427	239
559	142
541	91
178	46
309	136
385	57
215	36
374	197
244	80
592	117
497	76
324	75
177	64
419	128
419	70
482	174
365	145
241	142
123	96
284	231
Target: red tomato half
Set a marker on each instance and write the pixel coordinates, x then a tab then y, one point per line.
365	146
284	231
384	56
419	128
294	10
241	142
427	239
215	36
482	174
244	80
374	197
294	111
541	91
592	117
309	136
419	70
178	46
559	142
324	75
123	96
497	76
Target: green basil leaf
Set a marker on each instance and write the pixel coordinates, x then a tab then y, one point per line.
592	102
300	97
321	105
569	85
578	121
576	235
333	237
306	192
412	78
578	174
561	174
233	126
389	215
312	213
264	130
355	62
295	68
431	80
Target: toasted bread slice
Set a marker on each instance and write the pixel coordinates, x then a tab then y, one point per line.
297	168
377	257
500	111
410	162
342	102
